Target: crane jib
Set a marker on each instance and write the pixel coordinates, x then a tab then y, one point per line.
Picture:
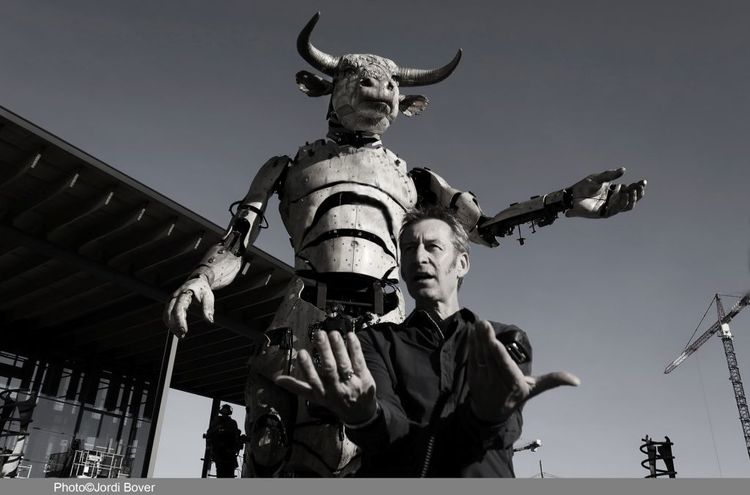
708	333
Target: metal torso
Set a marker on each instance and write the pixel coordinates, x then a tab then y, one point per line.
343	207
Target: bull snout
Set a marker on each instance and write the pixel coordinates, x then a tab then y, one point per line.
377	89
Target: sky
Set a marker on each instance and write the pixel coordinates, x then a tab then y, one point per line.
191	98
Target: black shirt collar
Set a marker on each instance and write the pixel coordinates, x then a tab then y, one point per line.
446	327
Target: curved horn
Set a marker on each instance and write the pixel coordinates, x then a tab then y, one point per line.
322	61
423	77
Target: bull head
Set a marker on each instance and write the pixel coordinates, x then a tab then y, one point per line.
364	91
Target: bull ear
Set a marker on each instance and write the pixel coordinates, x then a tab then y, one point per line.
313	85
411	105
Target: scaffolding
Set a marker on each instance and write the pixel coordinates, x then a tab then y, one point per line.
87	463
16	408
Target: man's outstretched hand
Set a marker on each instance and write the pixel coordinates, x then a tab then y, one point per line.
498	386
341	383
597	196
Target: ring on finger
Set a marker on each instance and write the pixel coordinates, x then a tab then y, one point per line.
345	376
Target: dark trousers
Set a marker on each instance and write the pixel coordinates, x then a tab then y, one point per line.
225	469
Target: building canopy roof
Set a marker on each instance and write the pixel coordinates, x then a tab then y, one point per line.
89	257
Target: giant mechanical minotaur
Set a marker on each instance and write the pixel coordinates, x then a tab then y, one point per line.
342	200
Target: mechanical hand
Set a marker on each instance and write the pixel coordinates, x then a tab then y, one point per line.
597	196
341	384
175	314
217	269
498	386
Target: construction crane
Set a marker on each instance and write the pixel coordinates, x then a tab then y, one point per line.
722	325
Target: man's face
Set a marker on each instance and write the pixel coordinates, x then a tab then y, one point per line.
430	263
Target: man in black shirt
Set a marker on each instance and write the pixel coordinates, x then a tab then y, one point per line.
427	426
438	395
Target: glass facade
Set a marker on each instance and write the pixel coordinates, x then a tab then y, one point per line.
86	422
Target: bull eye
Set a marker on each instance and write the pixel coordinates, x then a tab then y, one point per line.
390	86
366	82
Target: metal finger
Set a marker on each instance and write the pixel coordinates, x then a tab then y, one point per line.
640	192
611	206
623	199
612	200
180	309
208	305
178	332
631	201
607	175
622	196
174	325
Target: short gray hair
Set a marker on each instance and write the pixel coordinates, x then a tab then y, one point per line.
460	237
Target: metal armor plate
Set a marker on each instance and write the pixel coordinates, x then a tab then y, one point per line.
343	208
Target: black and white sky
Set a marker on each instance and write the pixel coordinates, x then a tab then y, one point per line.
192	97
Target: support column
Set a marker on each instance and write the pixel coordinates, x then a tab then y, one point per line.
157	416
206	454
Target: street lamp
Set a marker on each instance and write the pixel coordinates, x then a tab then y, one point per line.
532	446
